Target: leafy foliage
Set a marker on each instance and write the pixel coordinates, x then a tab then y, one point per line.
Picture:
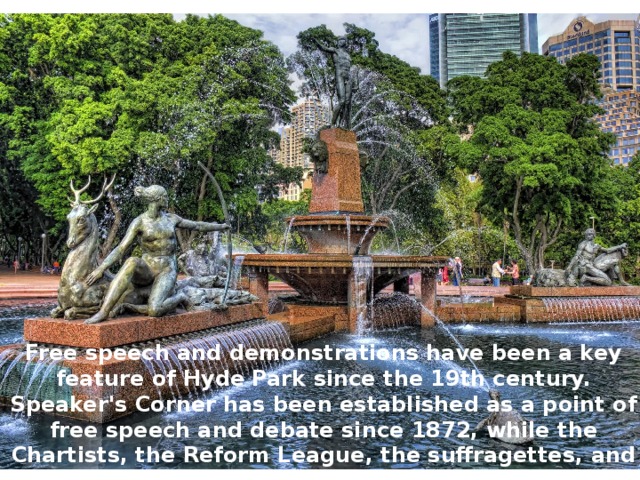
147	98
541	157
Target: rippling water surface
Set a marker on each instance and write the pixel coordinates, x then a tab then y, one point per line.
608	381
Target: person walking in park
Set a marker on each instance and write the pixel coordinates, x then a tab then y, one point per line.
496	272
457	272
16	266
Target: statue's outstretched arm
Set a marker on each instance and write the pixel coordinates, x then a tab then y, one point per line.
116	254
323	47
614	249
200	226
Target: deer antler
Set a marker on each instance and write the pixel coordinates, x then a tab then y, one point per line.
105	186
77	193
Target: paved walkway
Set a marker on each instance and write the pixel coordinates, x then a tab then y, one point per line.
33	284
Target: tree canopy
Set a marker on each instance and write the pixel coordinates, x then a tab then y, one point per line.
145	97
541	156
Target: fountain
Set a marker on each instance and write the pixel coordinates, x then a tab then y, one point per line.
337	233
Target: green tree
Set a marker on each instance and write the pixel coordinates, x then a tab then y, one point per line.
147	98
541	157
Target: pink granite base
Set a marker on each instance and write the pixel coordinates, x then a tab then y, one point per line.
127	330
613	291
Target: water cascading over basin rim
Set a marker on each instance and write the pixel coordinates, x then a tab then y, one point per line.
338	233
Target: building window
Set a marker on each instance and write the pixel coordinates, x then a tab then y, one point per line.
623	48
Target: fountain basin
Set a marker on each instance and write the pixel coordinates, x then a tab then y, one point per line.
338	234
326	278
574	304
37	380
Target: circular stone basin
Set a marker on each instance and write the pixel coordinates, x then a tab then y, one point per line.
338	234
326	278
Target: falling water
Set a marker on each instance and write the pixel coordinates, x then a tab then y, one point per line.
362	282
592	309
395	310
374	220
37	379
236	270
192	350
395	233
440	323
286	235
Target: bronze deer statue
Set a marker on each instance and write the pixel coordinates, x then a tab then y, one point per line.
75	298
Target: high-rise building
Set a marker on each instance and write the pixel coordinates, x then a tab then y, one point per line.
307	118
434	46
468	42
616	43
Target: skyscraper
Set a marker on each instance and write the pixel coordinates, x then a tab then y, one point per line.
308	117
434	46
468	42
616	43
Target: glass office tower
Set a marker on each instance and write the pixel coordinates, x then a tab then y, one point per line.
469	42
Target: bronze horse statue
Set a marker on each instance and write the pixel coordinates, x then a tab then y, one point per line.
75	298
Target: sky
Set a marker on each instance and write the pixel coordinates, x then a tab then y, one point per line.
403	35
400	26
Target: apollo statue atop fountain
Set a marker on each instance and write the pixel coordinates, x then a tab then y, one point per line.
344	88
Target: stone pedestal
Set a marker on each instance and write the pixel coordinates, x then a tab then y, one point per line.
128	330
259	286
427	298
574	304
338	190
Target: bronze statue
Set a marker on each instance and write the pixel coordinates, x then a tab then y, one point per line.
156	267
589	268
342	63
591	265
75	297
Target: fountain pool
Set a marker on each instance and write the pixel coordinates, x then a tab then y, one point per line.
607	381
